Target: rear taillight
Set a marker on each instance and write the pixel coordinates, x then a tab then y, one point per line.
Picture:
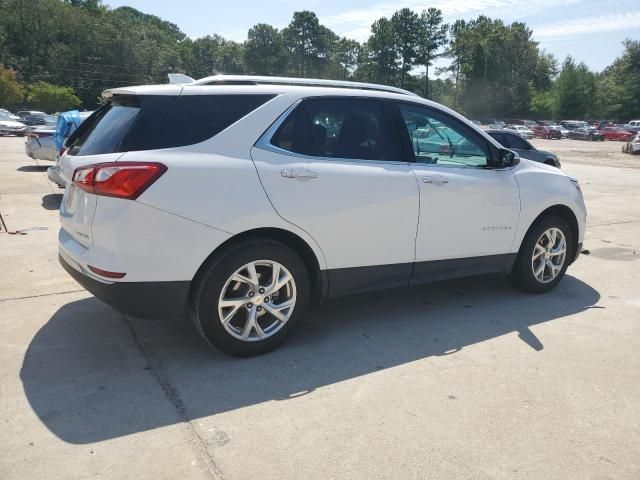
122	180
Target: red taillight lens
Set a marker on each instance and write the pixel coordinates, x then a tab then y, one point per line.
118	179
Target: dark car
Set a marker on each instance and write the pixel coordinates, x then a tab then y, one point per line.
546	132
573	124
586	134
40	120
515	142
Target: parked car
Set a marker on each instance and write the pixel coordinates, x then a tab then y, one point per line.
294	193
573	124
546	132
68	122
586	134
515	142
39	120
616	133
563	131
632	146
522	130
7	113
497	124
9	126
24	113
40	143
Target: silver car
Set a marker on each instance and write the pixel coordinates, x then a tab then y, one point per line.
40	143
9	126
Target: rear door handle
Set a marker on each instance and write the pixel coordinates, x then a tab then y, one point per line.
301	173
435	179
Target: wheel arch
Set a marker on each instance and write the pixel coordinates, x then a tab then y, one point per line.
568	215
317	276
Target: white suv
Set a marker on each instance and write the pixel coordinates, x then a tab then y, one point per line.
245	199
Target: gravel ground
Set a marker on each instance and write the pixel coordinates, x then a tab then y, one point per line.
607	153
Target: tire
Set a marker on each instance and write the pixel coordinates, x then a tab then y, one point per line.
216	276
522	274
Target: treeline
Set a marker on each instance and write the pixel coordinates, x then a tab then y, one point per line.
493	70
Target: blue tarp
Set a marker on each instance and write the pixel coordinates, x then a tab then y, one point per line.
67	123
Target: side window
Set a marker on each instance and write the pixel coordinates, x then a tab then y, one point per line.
337	128
437	139
499	137
517	142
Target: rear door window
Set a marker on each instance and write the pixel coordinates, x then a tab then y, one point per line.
150	122
345	128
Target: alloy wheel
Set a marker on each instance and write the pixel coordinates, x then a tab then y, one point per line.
257	300
549	255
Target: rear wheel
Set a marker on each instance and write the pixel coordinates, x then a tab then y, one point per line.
251	298
544	255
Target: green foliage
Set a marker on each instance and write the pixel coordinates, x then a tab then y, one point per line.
308	43
575	91
619	85
432	37
52	98
495	70
264	52
11	92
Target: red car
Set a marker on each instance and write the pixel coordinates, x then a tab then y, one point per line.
543	131
616	133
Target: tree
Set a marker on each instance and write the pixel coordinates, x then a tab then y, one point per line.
432	37
264	52
11	92
307	42
406	36
345	55
381	50
574	90
619	85
52	98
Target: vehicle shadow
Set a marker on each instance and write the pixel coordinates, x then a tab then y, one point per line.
91	374
33	168
52	201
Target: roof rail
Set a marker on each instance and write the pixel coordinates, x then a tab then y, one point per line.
308	82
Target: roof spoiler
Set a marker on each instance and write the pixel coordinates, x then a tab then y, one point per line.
179	78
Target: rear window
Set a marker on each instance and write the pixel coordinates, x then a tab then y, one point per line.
150	122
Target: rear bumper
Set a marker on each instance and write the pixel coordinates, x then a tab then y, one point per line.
139	299
54	175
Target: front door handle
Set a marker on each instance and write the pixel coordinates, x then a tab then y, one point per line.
435	179
301	173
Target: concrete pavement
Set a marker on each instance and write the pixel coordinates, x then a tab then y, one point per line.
463	379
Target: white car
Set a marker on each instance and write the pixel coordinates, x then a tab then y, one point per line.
244	199
633	145
522	130
8	126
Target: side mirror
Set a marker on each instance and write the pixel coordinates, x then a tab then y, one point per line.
508	158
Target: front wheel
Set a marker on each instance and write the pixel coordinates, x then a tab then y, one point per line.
544	255
249	300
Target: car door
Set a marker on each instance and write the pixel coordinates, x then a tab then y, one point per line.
334	167
469	209
523	147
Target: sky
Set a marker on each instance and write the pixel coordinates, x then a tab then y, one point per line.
591	31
